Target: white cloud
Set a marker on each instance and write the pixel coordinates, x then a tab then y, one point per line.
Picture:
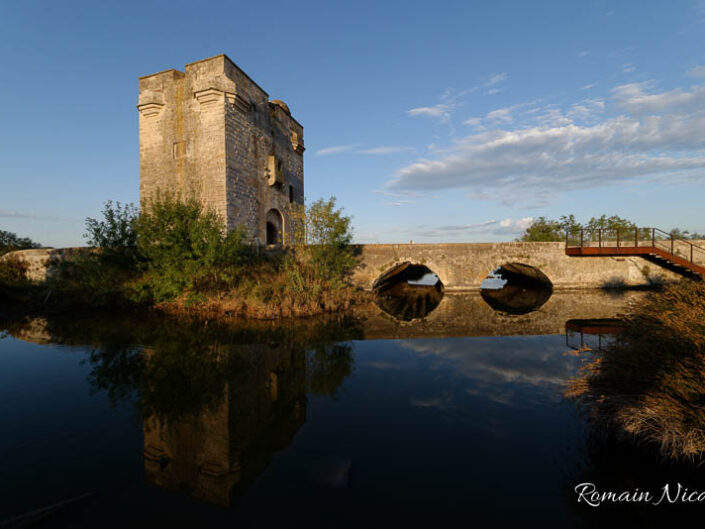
583	53
488	227
661	135
586	110
633	97
697	71
392	149
398	203
10	214
501	115
354	148
441	111
589	86
456	230
337	149
473	122
628	68
497	78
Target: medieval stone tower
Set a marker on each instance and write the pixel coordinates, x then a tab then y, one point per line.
212	133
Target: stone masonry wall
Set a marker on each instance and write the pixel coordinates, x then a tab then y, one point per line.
211	132
463	266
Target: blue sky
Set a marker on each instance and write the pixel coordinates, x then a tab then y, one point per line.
445	121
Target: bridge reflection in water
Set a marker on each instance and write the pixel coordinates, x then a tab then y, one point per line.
412	291
408	291
591	334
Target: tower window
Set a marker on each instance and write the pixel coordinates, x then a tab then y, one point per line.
291	194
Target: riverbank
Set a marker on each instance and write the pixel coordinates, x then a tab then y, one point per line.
176	257
266	287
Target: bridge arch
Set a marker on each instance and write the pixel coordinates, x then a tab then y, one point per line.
516	288
408	291
404	272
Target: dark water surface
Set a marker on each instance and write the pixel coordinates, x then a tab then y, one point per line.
363	421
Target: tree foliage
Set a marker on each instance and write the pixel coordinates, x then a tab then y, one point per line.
9	242
322	239
184	246
545	230
115	234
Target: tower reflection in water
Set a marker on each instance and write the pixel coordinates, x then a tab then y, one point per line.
218	451
218	404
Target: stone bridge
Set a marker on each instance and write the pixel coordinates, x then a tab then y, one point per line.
460	266
463	266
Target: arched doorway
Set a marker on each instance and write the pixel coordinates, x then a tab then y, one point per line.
275	227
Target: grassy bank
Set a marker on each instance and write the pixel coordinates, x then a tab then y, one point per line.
176	258
649	385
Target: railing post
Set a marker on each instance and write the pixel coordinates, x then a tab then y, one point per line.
653	237
617	238
691	254
636	237
599	238
672	244
581	237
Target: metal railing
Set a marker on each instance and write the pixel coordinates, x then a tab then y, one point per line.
608	241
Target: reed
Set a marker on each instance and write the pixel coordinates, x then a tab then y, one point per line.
649	385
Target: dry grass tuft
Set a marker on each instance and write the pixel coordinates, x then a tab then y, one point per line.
649	385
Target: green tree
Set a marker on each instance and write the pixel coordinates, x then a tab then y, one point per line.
685	234
9	242
543	229
115	234
547	230
322	238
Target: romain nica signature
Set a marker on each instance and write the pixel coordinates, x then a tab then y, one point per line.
588	493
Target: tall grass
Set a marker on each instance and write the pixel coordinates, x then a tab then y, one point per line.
649	385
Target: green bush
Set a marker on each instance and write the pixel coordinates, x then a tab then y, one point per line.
322	241
184	248
115	234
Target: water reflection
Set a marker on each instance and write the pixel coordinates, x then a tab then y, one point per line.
216	401
516	288
275	419
408	302
512	299
409	292
591	334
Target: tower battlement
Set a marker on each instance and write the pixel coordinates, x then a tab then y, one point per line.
211	132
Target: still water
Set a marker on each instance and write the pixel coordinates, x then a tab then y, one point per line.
368	420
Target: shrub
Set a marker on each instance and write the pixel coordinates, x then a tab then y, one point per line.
185	248
322	237
115	234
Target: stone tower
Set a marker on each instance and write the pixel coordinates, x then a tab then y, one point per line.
212	133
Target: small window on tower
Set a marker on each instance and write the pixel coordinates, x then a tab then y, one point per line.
179	150
291	194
